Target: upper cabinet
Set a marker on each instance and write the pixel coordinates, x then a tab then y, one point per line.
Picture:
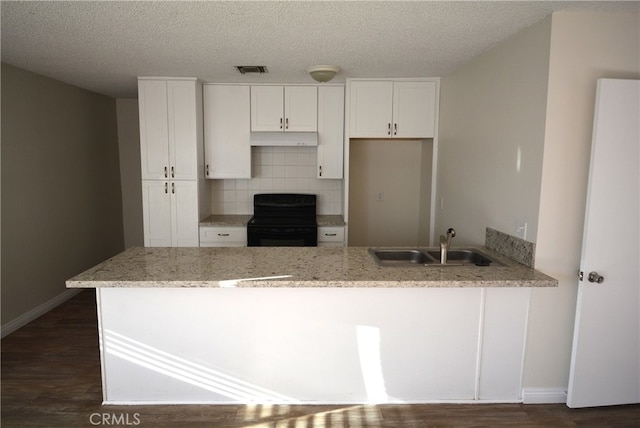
330	131
227	121
284	108
392	109
168	128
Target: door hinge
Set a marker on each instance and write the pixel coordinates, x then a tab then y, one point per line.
580	275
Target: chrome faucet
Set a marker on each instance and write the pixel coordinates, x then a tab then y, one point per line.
445	244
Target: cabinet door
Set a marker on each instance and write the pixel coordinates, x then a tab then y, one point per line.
184	213
183	132
156	208
223	236
330	236
301	108
227	122
503	339
330	131
414	109
371	109
154	134
267	108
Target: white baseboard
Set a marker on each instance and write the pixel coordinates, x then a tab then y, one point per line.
36	312
544	395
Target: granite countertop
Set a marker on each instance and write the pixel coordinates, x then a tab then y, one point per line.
226	220
242	220
293	267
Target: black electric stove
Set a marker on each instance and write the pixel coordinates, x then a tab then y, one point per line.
283	220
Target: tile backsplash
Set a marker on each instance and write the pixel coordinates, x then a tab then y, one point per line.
277	170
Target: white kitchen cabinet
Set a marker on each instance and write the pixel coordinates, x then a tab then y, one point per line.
171	137
223	236
504	332
330	236
330	132
170	213
169	128
284	108
227	129
371	108
392	109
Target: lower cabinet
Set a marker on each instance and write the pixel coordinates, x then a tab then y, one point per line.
223	236
170	213
236	236
312	345
330	236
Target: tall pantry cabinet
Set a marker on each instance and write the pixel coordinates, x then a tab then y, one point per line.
174	197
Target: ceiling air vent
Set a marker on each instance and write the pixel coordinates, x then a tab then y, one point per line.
244	69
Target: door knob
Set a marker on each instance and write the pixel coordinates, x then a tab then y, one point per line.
595	277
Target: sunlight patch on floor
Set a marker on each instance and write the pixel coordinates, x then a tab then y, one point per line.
274	416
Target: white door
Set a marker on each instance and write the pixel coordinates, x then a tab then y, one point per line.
605	364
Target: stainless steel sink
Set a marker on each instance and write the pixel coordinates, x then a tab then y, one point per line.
466	256
400	257
403	257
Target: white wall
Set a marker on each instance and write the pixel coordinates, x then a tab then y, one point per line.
491	134
401	171
61	200
130	175
535	92
584	47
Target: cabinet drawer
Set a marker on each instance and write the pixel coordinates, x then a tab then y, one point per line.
222	235
330	234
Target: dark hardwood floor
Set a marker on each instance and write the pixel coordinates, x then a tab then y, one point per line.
51	378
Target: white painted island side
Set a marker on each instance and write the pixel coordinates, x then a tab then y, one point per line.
206	339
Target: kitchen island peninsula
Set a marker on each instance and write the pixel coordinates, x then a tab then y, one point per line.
307	325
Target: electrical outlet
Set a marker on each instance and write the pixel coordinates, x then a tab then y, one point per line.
380	197
521	229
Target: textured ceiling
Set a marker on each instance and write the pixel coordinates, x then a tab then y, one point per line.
104	45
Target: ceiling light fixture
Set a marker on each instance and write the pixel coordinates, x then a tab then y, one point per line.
323	73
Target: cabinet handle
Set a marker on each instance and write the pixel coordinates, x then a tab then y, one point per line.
280	123
395	129
330	234
286	123
173	187
172	173
165	172
223	234
166	187
388	128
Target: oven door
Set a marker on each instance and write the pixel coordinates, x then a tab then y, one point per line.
282	236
